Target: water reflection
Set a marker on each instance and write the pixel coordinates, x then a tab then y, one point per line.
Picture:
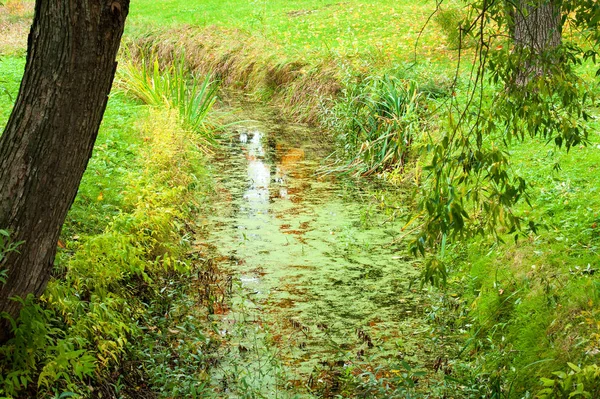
268	182
259	175
309	262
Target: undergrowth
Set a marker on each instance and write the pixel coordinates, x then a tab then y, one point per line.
77	339
534	302
376	120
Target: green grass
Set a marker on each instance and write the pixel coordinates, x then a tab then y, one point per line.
538	299
361	30
102	192
11	71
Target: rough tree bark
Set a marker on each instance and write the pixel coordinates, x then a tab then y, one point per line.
50	134
536	28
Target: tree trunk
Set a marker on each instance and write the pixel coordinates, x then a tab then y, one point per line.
537	29
50	134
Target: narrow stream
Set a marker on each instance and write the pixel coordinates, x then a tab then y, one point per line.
320	289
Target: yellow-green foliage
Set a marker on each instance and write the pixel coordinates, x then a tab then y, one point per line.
84	322
173	86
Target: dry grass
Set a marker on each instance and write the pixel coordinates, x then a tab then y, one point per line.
18	8
15	21
245	63
229	54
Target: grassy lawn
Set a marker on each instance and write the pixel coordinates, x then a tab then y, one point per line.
379	31
11	71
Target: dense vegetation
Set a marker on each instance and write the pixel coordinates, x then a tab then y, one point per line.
514	312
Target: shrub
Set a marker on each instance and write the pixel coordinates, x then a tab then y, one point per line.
83	327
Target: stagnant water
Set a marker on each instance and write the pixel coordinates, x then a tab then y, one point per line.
321	292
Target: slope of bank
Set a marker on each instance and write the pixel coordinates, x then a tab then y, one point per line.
126	255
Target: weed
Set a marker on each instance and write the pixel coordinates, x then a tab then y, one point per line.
6	245
578	381
173	350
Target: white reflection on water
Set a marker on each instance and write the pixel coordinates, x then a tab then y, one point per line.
259	176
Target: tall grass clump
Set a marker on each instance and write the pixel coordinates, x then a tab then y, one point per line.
175	87
376	120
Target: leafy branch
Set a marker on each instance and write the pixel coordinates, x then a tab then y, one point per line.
514	92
